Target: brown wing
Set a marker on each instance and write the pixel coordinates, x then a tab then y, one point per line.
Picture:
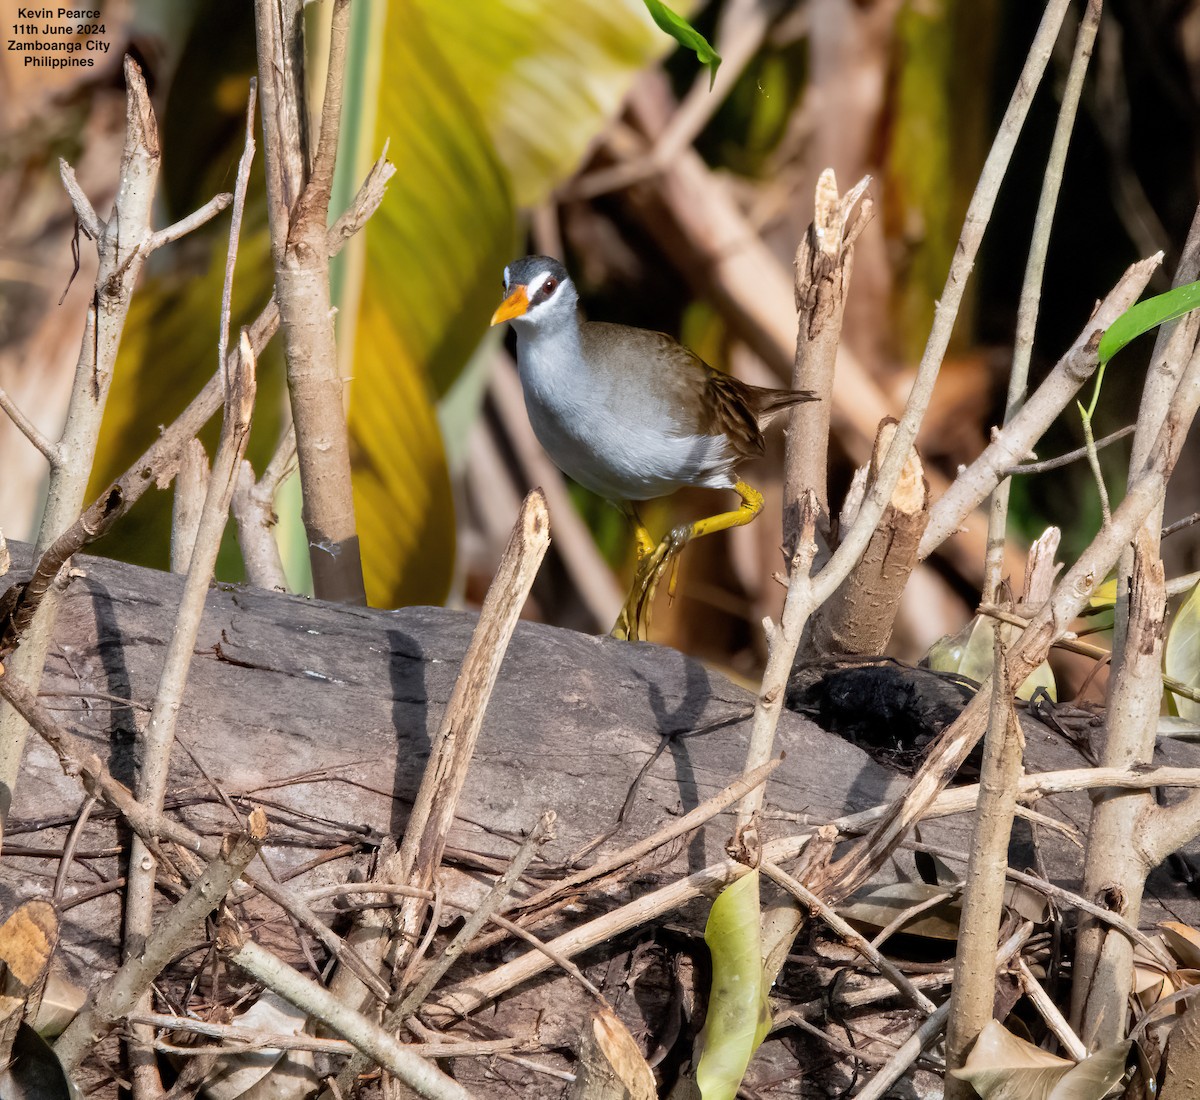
708	402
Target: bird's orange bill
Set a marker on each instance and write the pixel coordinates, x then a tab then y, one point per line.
512	306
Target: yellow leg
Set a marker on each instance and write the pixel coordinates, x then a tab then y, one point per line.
645	544
634	621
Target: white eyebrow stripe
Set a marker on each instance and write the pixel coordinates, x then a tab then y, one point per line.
506	277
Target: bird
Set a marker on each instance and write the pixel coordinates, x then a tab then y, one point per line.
632	415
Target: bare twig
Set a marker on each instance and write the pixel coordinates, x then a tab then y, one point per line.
115	996
1031	286
381	1047
90	526
298	212
542	831
160	730
27	427
190	222
854	938
235	231
1049	1012
973	990
910	1051
1180	524
191	489
1023	431
1045	465
433	810
242	1039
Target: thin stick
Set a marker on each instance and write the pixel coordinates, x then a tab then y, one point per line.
420	853
114	997
380	1046
1031	286
27	427
1049	464
542	831
856	940
1049	1012
680	827
910	1051
235	229
245	1039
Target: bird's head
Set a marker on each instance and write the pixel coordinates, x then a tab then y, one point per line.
538	294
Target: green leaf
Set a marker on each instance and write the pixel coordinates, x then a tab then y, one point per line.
686	35
1147	315
1181	654
738	1014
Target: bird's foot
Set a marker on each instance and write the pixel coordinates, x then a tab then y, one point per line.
633	623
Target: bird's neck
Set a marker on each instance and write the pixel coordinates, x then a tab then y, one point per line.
550	360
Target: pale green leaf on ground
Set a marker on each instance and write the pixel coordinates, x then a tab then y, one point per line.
969	653
738	1015
1181	654
686	35
544	76
1003	1067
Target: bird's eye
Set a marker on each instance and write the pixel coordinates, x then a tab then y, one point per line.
549	286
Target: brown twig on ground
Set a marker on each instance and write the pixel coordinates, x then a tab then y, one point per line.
113	998
974	987
849	935
542	831
420	853
910	1051
245	1039
298	210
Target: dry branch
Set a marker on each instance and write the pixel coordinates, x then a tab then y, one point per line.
858	618
116	996
298	209
420	853
123	243
983	891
